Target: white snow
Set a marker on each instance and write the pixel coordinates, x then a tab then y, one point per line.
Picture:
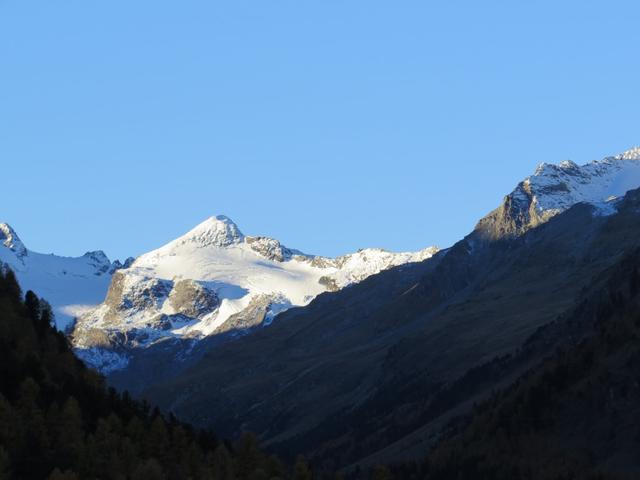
72	285
238	269
555	188
108	360
356	267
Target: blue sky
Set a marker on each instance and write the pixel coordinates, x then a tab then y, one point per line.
329	125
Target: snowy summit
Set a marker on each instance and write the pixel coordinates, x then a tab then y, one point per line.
554	188
214	280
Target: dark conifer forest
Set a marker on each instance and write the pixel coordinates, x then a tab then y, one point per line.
58	420
574	415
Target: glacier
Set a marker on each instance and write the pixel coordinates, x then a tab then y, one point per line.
213	280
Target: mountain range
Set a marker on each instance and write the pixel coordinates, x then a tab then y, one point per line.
211	281
372	373
364	359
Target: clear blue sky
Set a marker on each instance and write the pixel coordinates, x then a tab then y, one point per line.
330	125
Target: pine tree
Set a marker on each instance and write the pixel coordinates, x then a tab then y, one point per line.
248	455
46	313
66	475
221	463
274	467
32	303
36	441
149	470
381	472
301	470
158	438
11	287
70	438
5	471
8	427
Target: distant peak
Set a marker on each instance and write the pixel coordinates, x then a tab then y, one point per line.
568	165
220	218
219	222
552	189
218	230
10	239
545	168
631	154
98	256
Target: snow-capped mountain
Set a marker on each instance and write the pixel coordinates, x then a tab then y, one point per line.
214	280
72	285
552	189
508	290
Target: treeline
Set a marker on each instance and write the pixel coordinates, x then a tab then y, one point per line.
58	420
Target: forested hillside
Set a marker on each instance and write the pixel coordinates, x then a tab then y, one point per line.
574	416
58	420
370	374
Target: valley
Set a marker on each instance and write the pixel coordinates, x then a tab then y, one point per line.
359	360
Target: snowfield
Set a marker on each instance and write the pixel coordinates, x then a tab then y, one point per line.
214	279
73	285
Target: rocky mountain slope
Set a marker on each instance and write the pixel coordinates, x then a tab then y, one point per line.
575	414
211	281
410	334
72	285
423	340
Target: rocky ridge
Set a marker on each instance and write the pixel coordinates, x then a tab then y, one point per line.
214	280
553	189
414	336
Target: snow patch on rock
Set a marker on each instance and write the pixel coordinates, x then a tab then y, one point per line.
552	189
555	188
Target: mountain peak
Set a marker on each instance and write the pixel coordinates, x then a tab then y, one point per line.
218	231
98	257
631	154
553	189
10	239
568	165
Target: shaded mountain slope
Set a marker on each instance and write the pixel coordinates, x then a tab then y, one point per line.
574	415
216	282
360	369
